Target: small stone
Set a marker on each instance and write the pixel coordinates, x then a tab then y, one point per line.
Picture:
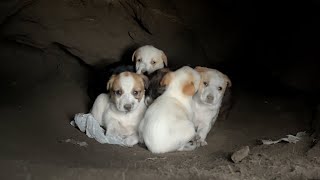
240	154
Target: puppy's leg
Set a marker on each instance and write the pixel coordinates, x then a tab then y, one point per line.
203	130
131	140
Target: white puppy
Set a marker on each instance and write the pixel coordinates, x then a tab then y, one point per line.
207	101
121	110
149	59
167	125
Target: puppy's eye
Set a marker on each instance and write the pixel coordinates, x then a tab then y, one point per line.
118	92
153	62
205	84
138	60
135	93
219	88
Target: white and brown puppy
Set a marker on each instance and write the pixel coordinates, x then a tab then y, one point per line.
167	125
149	59
207	101
121	110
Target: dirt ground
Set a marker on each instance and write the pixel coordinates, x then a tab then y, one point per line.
42	90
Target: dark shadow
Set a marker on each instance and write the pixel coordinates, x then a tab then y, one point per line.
100	75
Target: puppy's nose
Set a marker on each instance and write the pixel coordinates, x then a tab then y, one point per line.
127	107
143	71
209	98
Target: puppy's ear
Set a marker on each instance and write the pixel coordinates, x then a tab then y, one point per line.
200	69
165	81
189	89
227	79
145	81
134	55
164	58
110	82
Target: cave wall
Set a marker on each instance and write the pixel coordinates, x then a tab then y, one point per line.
253	42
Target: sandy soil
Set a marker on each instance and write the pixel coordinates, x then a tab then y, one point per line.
42	90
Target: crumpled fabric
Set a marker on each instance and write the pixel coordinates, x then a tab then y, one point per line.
88	124
290	139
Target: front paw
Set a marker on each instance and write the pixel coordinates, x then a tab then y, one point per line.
203	143
200	141
130	141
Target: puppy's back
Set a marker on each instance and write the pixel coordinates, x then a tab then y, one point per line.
166	125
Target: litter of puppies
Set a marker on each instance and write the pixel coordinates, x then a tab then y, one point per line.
165	110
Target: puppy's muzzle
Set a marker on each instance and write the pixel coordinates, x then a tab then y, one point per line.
127	107
209	98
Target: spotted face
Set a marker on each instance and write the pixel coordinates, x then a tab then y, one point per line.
212	86
127	90
149	59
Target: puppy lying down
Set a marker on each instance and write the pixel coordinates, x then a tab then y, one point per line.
119	112
167	125
207	101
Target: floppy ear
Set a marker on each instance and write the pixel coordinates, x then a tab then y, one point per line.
189	89
110	82
134	55
227	79
164	58
145	81
165	81
201	69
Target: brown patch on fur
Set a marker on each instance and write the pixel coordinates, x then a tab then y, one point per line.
188	88
114	85
201	69
141	83
166	79
110	82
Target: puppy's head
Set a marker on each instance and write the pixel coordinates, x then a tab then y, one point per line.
148	59
127	90
212	86
184	81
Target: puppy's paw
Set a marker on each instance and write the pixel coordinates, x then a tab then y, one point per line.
199	141
131	141
203	143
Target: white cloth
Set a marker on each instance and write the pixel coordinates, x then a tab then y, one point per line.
87	123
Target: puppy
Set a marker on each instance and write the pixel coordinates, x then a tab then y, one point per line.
155	89
149	59
121	110
167	125
207	101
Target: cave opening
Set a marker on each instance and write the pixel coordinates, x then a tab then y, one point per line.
54	53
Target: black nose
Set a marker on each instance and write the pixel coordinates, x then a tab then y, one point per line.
209	98
127	107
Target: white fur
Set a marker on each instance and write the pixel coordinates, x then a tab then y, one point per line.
112	116
206	113
145	55
167	125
